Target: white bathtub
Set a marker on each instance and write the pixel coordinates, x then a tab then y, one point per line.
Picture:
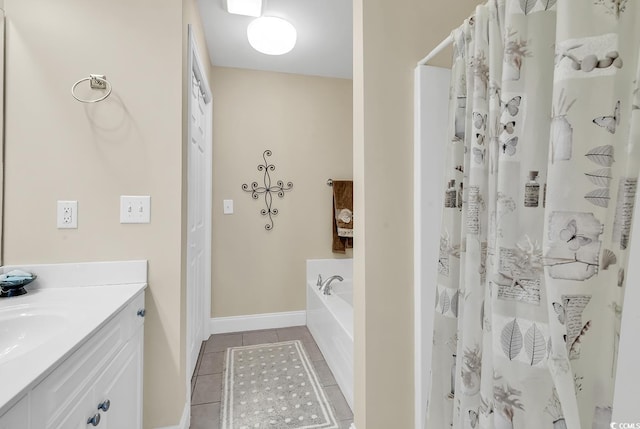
330	319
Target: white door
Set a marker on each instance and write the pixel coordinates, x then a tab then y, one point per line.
199	211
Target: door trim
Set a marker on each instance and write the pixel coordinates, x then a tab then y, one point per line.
431	85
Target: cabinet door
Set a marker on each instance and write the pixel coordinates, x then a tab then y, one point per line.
120	386
58	393
16	417
78	416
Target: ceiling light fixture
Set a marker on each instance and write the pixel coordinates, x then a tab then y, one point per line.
245	7
271	35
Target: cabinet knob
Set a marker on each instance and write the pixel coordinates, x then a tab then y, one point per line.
95	420
104	405
141	312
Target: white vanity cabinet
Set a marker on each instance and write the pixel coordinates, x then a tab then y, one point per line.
98	385
119	389
16	417
113	400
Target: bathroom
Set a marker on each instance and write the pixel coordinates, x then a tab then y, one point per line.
135	144
128	146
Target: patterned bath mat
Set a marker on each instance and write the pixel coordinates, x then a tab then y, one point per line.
273	386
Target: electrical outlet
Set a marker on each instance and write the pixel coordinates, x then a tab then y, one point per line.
67	215
135	209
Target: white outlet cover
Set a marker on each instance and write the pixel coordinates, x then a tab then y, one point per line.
67	215
135	209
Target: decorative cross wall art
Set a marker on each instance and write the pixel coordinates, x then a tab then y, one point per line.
267	190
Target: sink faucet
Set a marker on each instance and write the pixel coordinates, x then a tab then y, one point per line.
325	286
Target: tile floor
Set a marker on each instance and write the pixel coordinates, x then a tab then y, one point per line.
206	384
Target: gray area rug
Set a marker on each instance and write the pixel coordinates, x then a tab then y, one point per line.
273	386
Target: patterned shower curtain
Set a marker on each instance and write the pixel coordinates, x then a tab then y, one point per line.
541	174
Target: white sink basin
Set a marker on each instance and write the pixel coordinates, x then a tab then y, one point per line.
25	327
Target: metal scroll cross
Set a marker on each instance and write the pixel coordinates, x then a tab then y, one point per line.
267	190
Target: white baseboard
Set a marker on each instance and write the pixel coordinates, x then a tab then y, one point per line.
184	420
254	322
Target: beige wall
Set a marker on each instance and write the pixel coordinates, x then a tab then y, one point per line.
307	123
58	148
389	39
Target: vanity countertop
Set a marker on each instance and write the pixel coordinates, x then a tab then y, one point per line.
68	316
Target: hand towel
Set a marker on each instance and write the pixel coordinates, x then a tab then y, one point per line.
342	215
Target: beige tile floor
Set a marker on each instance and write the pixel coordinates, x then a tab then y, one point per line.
206	384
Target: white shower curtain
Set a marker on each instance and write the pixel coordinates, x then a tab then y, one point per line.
541	174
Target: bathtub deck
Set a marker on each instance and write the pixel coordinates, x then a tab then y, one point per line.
206	384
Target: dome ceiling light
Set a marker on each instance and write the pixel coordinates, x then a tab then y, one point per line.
271	35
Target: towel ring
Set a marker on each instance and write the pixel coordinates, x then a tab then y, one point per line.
97	82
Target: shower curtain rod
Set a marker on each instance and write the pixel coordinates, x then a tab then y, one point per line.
446	42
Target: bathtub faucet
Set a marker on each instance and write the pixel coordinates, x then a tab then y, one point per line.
325	286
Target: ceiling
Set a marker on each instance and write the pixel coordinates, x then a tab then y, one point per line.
324	46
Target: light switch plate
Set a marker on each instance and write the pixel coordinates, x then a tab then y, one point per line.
135	209
228	206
